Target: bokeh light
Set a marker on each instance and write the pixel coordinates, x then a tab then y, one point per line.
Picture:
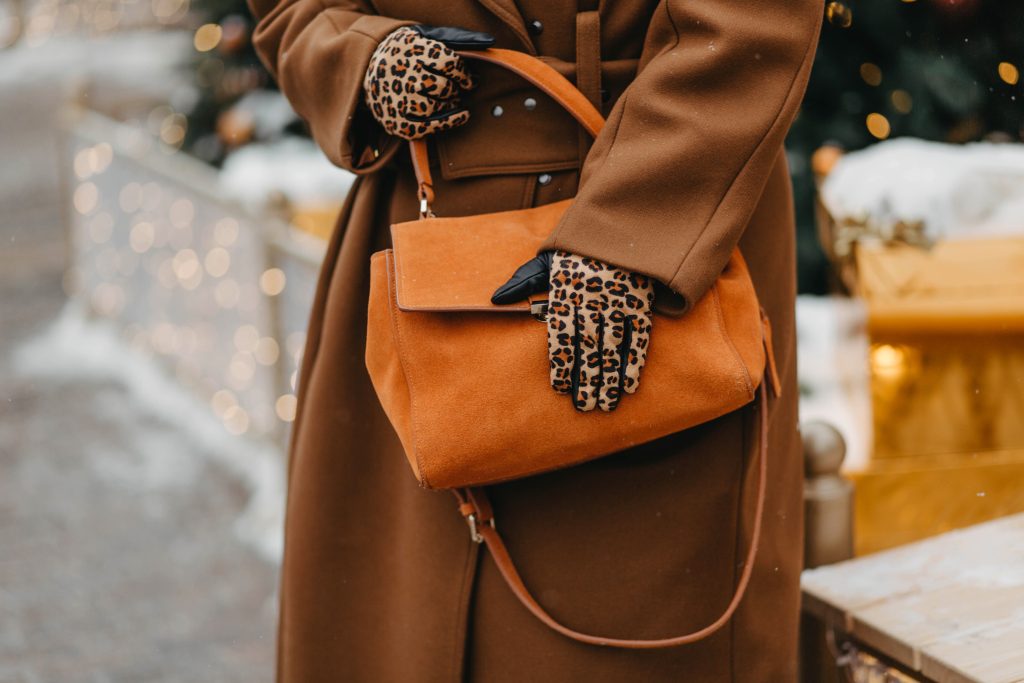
207	37
878	126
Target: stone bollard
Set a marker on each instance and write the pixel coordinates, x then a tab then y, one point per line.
828	497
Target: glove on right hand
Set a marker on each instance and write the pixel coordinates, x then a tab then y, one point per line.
415	78
599	324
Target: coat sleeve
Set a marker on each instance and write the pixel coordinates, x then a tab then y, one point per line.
673	178
318	50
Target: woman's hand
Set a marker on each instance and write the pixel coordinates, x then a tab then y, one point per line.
415	79
599	324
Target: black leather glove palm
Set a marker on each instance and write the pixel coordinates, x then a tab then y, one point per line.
530	278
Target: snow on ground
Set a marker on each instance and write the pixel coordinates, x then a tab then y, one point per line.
75	348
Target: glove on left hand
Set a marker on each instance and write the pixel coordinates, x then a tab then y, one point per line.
414	79
599	324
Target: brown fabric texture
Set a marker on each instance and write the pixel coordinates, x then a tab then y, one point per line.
381	581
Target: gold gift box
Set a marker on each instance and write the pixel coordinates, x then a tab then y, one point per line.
947	388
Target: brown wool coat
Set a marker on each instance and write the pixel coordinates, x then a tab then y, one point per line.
381	582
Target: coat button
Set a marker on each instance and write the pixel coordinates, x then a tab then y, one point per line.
497	111
536	27
544	179
530	104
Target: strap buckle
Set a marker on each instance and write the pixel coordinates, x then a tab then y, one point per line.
473	532
426	197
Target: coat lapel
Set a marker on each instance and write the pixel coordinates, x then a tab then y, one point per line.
508	13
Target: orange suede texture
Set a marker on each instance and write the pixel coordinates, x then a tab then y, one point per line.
456	265
465	382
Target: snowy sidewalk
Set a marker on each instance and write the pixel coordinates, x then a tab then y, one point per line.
122	560
134	538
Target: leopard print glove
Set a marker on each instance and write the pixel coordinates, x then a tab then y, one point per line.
413	84
599	326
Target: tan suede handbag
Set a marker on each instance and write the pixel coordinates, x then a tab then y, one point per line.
465	382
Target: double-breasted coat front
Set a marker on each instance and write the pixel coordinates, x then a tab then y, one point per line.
381	582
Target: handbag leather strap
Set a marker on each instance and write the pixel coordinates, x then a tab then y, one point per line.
536	72
476	508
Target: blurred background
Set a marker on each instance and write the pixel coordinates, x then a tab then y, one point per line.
163	217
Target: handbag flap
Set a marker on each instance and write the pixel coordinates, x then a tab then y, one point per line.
455	264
